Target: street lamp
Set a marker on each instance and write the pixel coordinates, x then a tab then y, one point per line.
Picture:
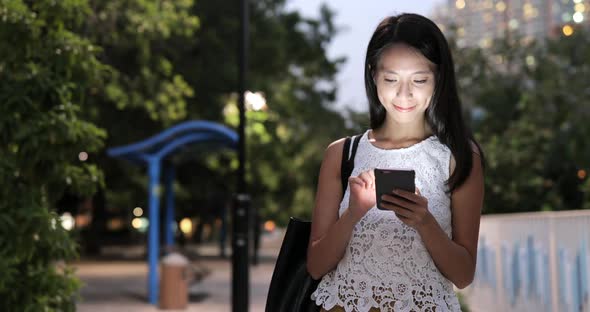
255	101
240	212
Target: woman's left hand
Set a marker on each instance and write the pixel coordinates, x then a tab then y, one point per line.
410	208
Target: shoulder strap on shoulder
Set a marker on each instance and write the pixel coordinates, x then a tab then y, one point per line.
347	164
344	163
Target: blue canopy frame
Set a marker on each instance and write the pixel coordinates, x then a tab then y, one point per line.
152	152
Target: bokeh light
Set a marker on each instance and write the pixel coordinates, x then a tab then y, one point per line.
67	221
186	226
269	226
137	211
83	156
578	17
460	4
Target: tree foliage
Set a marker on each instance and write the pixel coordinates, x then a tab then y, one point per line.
45	71
287	63
530	107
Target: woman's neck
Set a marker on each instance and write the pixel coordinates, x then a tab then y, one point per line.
395	132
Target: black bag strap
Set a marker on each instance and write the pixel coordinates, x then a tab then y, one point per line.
347	164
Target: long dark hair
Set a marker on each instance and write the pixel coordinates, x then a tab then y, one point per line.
443	114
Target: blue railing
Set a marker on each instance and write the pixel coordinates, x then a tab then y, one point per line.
532	262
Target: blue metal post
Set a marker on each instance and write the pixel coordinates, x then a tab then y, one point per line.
169	206
516	281
154	229
584	270
531	267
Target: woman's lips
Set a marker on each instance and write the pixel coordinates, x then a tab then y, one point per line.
404	109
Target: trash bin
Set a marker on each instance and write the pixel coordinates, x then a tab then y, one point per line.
174	281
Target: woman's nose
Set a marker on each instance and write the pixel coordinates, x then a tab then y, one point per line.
404	90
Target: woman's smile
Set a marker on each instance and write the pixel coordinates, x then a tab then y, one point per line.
404	109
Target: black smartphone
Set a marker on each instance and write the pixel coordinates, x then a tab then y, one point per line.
386	180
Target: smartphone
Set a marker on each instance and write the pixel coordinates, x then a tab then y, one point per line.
386	180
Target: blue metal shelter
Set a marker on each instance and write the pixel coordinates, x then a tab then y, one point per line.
153	152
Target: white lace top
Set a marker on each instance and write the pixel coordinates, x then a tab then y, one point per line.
386	265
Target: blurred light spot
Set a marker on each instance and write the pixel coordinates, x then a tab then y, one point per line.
67	221
461	31
513	24
460	4
83	156
501	6
255	100
137	211
580	7
82	220
582	174
578	17
115	224
530	11
530	60
140	224
269	226
485	43
186	226
136	223
567	30
230	109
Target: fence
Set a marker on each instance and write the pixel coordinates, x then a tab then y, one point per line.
532	262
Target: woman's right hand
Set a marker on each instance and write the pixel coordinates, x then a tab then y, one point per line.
362	193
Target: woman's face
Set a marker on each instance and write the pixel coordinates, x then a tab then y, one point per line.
405	83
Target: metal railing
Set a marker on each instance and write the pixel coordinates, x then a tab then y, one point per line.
532	262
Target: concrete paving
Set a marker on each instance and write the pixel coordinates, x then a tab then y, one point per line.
122	285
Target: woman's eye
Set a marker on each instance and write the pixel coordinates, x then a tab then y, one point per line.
420	81
390	80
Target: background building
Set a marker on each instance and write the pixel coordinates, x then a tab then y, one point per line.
479	22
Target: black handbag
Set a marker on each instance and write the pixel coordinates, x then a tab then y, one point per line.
291	285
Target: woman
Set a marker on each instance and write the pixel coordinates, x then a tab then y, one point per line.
407	257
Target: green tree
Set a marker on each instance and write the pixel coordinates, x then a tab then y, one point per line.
288	63
290	67
45	71
143	93
529	111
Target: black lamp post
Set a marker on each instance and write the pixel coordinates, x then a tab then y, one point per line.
240	212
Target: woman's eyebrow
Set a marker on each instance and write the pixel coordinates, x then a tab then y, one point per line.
417	72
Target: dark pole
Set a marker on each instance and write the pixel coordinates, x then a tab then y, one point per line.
240	218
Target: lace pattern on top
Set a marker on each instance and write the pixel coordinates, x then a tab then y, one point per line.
386	265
